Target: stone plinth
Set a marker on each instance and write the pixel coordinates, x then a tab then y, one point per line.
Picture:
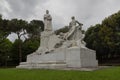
73	57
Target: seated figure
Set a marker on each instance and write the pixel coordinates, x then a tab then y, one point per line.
73	25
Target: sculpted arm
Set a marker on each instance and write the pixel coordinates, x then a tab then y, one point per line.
47	17
80	24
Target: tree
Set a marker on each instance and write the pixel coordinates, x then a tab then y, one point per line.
15	50
21	28
18	27
5	52
104	38
34	28
29	46
4	31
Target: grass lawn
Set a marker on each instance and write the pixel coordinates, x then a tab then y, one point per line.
39	74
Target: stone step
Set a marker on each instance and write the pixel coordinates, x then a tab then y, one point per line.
47	65
48	62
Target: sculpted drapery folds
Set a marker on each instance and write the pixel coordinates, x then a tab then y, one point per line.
48	21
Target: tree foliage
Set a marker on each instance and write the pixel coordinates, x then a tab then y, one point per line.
29	46
105	37
63	30
34	28
5	51
4	31
18	49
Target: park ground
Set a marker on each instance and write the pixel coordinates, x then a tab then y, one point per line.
112	73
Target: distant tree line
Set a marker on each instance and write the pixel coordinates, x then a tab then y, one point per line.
11	53
105	38
62	30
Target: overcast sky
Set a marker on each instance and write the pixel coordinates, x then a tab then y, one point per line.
88	12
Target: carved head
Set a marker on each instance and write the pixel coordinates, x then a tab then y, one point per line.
47	11
73	18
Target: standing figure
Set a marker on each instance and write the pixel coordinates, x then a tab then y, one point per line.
47	21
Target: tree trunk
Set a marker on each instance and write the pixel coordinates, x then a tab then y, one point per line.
20	49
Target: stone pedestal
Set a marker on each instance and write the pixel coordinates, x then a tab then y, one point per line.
81	58
73	57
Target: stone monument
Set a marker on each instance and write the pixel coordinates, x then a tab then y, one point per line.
66	50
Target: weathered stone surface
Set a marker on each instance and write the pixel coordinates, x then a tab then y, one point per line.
71	57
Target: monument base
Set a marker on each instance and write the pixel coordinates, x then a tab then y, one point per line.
73	57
